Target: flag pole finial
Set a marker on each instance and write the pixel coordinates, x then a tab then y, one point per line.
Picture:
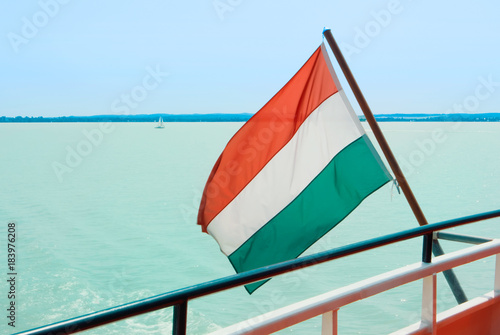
323	33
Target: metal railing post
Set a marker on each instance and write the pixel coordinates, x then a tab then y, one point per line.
180	319
497	276
429	303
329	323
427	248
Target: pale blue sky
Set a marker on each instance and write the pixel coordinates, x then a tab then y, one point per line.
427	56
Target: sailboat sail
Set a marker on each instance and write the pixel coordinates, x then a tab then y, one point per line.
160	123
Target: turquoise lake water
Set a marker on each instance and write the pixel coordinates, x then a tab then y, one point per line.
106	214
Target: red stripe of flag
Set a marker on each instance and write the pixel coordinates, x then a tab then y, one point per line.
266	133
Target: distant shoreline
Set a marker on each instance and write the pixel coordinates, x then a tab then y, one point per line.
483	117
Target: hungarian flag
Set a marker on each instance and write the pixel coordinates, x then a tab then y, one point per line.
296	169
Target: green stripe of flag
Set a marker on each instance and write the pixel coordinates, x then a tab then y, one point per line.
351	176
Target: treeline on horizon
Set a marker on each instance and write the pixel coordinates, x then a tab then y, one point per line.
483	117
134	118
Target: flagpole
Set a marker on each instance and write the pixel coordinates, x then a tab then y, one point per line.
398	173
405	187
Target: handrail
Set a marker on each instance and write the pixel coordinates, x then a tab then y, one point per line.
336	299
181	296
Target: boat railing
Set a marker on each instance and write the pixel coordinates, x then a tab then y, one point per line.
328	304
325	304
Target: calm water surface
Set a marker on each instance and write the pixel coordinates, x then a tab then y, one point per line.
106	215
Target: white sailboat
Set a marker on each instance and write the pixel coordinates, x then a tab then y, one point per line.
160	124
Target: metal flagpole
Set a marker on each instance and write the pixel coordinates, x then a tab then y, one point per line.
405	187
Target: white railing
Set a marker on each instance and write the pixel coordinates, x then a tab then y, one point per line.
329	303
